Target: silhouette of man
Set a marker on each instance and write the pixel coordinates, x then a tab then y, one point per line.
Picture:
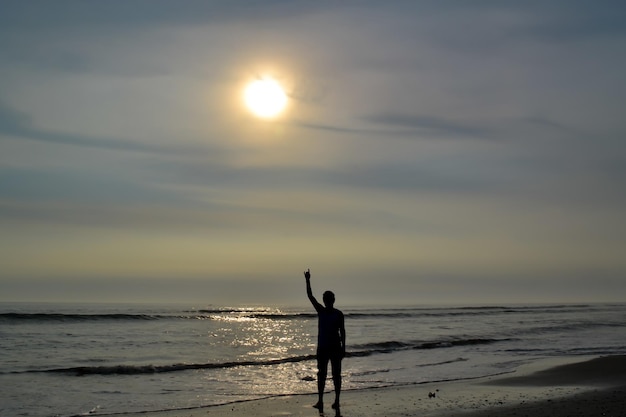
331	343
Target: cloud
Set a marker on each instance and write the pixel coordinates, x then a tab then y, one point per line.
12	121
133	38
19	124
86	187
576	20
403	126
429	126
94	17
328	128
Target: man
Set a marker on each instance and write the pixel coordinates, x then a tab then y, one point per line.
331	343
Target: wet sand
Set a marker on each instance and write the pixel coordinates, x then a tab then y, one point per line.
549	388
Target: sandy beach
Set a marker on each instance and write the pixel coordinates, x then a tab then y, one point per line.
553	387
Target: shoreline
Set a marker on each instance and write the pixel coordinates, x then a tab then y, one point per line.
552	387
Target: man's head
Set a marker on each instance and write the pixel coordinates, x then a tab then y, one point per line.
329	299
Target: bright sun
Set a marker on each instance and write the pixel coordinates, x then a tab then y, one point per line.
265	98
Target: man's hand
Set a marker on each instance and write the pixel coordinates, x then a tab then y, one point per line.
307	274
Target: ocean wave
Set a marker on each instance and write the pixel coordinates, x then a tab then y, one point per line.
416	312
233	310
559	328
218	314
275	314
422	365
19	317
362	351
391	346
281	316
154	369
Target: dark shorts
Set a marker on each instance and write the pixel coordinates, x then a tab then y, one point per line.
332	355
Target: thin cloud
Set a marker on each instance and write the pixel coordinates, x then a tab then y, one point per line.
48	15
430	125
555	21
18	124
329	128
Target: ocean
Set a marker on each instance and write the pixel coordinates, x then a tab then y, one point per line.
72	360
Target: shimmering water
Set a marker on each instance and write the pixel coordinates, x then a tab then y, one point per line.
64	360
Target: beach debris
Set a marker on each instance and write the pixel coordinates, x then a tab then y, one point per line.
308	378
432	394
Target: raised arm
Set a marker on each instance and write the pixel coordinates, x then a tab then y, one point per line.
309	291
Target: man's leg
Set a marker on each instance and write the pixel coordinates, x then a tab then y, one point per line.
335	363
322	371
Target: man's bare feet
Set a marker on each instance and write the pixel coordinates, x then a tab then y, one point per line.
320	406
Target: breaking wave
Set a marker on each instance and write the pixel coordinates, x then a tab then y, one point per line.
362	350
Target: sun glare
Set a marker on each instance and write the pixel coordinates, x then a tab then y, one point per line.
265	97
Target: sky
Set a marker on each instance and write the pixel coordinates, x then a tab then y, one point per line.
431	152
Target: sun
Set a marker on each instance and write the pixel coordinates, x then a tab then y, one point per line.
265	98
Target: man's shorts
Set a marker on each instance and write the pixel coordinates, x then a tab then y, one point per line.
334	355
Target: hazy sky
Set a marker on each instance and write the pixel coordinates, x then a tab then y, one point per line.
432	151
